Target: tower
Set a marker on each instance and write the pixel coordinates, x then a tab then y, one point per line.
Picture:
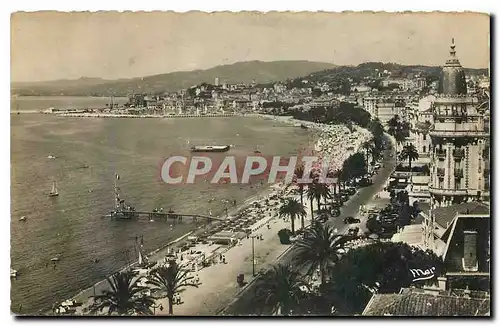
459	141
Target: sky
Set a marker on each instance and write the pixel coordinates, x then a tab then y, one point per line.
111	45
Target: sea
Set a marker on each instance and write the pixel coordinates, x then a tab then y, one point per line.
72	226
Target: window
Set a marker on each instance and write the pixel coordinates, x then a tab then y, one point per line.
423	149
425	136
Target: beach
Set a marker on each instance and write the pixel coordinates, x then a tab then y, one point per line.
72	226
215	291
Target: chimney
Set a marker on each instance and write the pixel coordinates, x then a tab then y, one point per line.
431	289
469	260
442	283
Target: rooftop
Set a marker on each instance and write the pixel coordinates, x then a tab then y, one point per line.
415	302
445	215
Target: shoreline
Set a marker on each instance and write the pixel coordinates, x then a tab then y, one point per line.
84	294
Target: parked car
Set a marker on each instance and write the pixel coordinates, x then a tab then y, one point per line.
335	212
351	191
334	204
365	182
322	218
351	220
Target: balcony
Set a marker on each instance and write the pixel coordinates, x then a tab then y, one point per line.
458	153
449	129
440	172
450	192
486	172
459	173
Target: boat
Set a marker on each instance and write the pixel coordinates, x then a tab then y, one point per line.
55	259
217	148
83	166
23	219
53	192
303	126
13	273
51	156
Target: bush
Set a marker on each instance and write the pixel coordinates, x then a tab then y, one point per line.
382	265
284	235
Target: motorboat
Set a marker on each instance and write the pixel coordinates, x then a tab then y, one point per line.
51	156
13	273
23	219
216	148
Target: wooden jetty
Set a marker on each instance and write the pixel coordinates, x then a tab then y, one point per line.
128	215
177	216
126	212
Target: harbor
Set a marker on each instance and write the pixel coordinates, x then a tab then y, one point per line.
255	218
62	226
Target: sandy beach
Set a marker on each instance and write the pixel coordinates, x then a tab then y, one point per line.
218	286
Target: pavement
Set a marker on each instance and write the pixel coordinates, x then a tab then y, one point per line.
242	304
218	286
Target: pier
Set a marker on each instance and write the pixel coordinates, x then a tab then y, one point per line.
123	211
127	215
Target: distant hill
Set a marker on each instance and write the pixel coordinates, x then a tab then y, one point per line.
367	69
240	72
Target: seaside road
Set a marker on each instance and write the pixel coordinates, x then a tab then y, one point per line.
218	282
242	305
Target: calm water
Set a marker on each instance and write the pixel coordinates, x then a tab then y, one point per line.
23	103
71	226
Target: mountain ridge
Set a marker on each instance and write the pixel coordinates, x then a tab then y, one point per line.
239	72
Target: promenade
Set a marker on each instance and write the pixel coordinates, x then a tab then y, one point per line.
218	282
243	305
218	286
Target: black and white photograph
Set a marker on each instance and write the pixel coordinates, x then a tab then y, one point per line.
250	164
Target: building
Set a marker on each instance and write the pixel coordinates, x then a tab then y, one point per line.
216	81
459	141
369	104
385	111
430	301
456	225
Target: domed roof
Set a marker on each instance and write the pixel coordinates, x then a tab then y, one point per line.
452	81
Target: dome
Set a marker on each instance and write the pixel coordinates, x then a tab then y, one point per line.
452	81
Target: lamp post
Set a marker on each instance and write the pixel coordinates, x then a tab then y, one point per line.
253	254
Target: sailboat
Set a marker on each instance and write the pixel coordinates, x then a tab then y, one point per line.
53	192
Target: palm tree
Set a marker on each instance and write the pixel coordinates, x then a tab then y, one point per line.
324	192
319	249
369	148
311	195
317	191
292	208
280	292
125	296
170	279
409	153
334	174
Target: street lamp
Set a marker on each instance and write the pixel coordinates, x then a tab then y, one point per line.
253	254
